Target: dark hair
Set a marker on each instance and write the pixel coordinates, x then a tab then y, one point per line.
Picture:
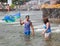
45	20
27	16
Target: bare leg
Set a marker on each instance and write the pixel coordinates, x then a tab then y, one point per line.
47	36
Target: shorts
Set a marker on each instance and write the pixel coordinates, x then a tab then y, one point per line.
27	32
47	34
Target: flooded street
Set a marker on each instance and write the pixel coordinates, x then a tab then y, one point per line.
11	34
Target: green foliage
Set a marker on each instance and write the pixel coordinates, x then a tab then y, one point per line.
12	6
3	0
20	2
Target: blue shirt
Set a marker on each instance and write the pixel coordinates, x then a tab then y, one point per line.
27	28
48	30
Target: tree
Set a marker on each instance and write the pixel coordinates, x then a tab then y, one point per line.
3	0
14	1
20	1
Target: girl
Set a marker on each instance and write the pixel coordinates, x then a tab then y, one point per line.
47	31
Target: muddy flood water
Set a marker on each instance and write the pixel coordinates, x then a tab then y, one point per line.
11	34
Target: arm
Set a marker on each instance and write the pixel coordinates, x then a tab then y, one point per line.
21	22
32	28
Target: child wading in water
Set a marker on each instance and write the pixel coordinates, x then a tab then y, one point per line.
27	24
47	31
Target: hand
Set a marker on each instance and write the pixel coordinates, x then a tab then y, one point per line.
21	23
